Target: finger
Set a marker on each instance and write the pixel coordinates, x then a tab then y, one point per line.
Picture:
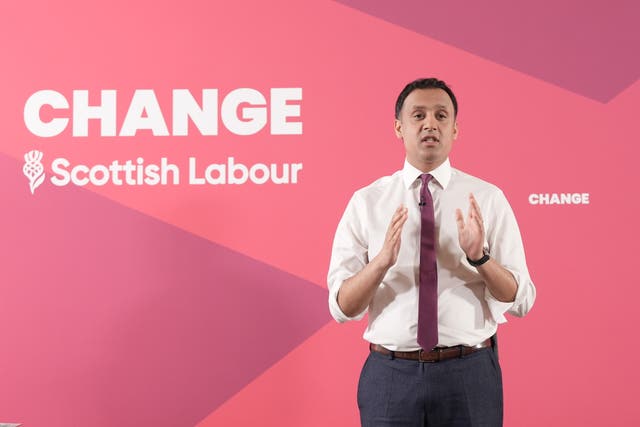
395	228
396	243
470	213
394	240
477	215
478	220
475	206
459	220
397	216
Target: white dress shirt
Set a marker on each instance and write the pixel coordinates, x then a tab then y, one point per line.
467	312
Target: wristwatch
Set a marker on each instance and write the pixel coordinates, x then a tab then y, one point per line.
479	262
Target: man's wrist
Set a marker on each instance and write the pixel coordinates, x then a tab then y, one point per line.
479	261
381	264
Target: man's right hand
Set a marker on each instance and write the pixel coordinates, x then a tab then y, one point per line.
357	292
389	253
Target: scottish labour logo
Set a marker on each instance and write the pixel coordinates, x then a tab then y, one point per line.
33	169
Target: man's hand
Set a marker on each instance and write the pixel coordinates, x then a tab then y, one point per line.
498	279
471	232
357	291
389	253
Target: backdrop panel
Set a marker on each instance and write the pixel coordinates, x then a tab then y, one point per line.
173	173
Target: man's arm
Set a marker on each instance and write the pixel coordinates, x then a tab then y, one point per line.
471	236
356	292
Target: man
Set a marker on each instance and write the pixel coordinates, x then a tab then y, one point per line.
435	282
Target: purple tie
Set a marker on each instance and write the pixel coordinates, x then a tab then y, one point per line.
428	298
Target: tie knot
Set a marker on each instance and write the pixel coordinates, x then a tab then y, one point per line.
425	178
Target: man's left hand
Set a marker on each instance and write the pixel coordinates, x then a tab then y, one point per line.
471	232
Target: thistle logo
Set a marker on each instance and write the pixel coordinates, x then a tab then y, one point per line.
33	169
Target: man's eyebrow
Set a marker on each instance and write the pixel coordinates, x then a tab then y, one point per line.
435	107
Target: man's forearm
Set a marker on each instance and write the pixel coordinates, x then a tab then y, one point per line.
357	291
499	280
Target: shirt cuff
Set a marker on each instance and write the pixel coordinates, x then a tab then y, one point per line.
497	308
525	295
334	307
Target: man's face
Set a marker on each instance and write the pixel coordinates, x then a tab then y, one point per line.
427	127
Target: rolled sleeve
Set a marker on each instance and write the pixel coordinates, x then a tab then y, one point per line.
349	255
505	246
334	307
525	296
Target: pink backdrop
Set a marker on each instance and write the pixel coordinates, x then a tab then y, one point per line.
206	304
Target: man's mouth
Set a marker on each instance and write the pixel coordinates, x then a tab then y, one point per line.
430	138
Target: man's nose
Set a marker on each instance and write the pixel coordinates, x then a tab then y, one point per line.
429	122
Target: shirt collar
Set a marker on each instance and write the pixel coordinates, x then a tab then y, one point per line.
441	174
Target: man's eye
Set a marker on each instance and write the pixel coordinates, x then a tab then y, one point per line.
441	116
418	116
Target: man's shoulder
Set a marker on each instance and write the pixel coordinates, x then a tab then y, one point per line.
380	185
473	183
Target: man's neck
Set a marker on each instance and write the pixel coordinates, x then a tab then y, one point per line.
426	167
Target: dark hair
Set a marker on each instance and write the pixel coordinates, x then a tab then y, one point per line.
430	83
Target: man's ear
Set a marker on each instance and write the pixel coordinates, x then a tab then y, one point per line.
455	130
398	128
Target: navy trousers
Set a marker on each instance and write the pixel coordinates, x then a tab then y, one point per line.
457	392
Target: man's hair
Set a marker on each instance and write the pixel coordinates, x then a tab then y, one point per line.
430	83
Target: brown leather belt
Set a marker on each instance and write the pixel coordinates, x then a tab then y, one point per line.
436	355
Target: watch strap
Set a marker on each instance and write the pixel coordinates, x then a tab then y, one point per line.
479	262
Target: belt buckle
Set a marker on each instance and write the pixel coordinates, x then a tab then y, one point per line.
421	360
